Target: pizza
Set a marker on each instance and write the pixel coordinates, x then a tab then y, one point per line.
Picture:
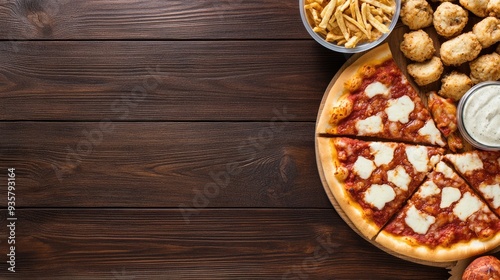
374	178
444	220
482	170
375	99
395	176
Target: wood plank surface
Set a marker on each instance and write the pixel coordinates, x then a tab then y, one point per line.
216	244
142	19
156	164
175	80
170	140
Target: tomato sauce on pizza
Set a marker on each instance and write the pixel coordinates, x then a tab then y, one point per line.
442	216
482	170
379	158
377	100
377	177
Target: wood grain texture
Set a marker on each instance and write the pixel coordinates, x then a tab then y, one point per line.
142	19
155	164
198	80
204	110
216	244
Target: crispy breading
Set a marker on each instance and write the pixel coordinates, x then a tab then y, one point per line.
485	68
461	49
455	85
426	72
417	46
477	7
416	14
493	8
449	19
487	31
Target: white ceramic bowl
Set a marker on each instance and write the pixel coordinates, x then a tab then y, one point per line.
360	47
478	113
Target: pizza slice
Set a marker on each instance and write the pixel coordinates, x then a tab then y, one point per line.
372	97
482	170
444	114
443	221
370	181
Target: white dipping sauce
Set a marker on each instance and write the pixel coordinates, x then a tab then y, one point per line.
481	115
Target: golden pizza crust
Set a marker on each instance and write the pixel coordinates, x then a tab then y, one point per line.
337	91
337	97
329	162
409	247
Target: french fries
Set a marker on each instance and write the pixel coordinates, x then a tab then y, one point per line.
350	22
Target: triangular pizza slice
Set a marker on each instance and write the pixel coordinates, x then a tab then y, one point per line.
371	180
372	97
482	170
443	221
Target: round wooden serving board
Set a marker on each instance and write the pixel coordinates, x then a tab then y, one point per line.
394	41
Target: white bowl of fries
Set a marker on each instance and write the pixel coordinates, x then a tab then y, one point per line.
349	26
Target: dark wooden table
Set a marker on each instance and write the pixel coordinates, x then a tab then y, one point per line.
169	140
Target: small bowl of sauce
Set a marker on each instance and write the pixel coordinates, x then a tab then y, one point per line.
478	116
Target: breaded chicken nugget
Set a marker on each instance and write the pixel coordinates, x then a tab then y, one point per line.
487	31
461	49
477	7
485	68
449	19
416	14
455	85
417	46
426	72
493	8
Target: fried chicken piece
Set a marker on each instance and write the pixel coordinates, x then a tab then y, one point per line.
416	14
477	7
449	19
455	85
426	72
417	46
461	49
485	68
493	8
487	31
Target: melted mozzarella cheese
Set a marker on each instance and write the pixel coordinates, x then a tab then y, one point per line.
363	167
466	162
376	88
448	196
418	221
445	169
428	188
399	109
467	206
492	192
417	155
370	125
379	195
383	152
430	130
435	159
399	177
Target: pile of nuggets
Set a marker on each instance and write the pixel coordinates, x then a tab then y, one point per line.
468	53
475	47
